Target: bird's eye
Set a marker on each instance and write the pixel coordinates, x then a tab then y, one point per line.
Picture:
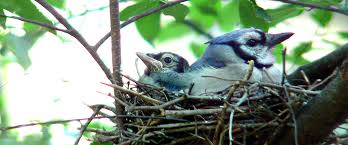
252	42
167	60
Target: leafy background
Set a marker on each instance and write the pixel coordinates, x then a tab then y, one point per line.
195	21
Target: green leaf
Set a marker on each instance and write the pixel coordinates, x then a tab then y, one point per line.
284	12
228	16
260	12
209	7
57	3
138	8
149	27
322	17
343	34
197	49
302	48
178	11
296	56
20	47
172	30
248	17
25	9
2	19
204	12
197	18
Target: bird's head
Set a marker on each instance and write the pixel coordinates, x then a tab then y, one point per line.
164	61
244	45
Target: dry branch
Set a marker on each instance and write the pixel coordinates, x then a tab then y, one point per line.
317	119
320	68
316	6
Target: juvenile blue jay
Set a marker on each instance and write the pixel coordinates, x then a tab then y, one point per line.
226	57
166	70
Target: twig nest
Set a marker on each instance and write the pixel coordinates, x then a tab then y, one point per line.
257	110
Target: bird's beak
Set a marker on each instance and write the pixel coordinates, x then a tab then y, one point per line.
274	39
152	64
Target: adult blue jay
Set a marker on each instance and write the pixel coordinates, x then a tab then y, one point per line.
227	55
166	70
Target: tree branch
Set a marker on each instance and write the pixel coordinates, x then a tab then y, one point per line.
320	68
84	127
73	32
317	6
36	23
317	119
116	59
137	17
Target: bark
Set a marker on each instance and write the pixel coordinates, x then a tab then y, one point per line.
317	119
320	68
116	58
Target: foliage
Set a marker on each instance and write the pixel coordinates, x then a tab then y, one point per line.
205	14
202	14
20	45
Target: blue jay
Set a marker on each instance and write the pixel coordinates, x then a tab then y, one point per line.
166	70
226	57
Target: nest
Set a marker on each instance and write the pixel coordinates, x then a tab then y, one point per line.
245	113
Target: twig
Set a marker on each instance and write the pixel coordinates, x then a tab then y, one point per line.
84	127
290	88
137	17
229	96
180	125
143	97
93	107
80	119
240	102
305	77
193	112
116	99
103	132
36	23
291	110
323	81
73	32
327	110
158	107
313	5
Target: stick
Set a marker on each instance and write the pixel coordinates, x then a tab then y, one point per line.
317	6
143	97
84	127
37	23
229	96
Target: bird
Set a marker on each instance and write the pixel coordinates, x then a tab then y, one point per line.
227	55
165	69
